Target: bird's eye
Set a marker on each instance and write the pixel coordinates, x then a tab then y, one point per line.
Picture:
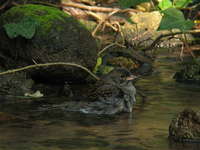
123	76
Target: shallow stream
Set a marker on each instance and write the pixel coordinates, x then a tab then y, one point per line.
145	129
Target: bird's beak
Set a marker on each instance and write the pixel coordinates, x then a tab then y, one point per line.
131	77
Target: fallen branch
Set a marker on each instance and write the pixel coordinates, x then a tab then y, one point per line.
50	64
96	8
107	47
157	40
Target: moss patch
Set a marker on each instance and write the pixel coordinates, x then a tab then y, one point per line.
58	38
45	15
186	126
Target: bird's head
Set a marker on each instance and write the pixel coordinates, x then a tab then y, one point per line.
120	76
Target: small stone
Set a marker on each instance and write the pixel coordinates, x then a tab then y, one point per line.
185	127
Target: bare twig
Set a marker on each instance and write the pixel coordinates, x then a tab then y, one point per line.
187	47
157	40
181	53
50	64
192	7
96	8
103	15
108	46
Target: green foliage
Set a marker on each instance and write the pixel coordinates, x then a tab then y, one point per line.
164	4
181	3
98	64
100	68
130	3
174	18
44	15
25	28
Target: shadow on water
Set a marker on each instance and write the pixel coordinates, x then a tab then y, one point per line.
145	129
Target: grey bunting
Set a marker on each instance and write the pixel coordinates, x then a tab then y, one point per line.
112	94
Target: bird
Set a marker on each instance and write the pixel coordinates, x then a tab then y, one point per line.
112	94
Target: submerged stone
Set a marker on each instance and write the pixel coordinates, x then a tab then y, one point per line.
185	127
190	72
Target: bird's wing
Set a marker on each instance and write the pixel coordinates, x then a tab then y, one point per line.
106	91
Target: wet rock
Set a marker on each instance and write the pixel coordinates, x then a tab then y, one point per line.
57	38
15	84
185	127
190	72
53	89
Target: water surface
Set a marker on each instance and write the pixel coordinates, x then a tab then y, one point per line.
145	129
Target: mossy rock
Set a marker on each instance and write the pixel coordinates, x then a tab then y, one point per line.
189	73
185	127
58	37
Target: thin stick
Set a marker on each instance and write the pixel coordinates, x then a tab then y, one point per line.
187	47
50	64
156	41
96	8
90	8
108	46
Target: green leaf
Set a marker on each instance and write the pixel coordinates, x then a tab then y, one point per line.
164	4
102	69
174	19
130	3
25	28
181	3
98	64
11	30
28	27
187	25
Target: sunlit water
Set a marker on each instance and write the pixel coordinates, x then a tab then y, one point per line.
145	129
